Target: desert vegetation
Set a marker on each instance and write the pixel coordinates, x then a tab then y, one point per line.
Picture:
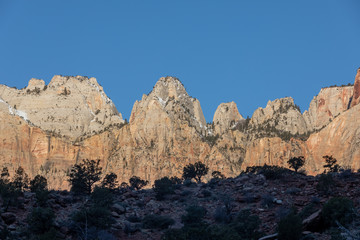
261	201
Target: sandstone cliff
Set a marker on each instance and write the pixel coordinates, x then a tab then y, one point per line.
167	130
68	106
327	105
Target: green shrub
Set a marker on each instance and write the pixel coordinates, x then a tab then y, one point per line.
290	227
157	222
163	187
338	209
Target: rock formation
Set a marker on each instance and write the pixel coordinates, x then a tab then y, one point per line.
48	128
226	117
282	115
356	97
327	105
68	106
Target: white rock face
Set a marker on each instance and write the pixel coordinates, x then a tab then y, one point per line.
281	114
226	116
68	106
35	84
327	105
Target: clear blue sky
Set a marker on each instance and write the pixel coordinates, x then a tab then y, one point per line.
243	51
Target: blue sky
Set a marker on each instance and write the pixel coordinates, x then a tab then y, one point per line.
243	51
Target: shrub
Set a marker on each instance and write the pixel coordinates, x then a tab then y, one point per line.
293	191
102	197
267	201
41	220
20	180
5	233
176	180
157	222
331	165
9	195
325	184
296	162
211	139
270	172
338	209
194	226
39	183
308	210
96	217
221	215
137	183
162	187
133	219
84	175
206	193
195	171
246	225
217	175
4	177
290	227
199	232
110	181
195	215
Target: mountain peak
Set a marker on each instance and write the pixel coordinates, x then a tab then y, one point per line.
169	87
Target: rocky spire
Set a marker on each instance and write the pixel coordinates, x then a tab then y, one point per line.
356	96
169	96
225	117
281	114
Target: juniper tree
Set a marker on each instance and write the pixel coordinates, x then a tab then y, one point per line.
83	176
296	162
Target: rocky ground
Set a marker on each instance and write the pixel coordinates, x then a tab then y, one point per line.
268	198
